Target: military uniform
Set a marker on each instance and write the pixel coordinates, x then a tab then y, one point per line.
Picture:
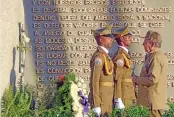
124	87
101	80
123	71
152	82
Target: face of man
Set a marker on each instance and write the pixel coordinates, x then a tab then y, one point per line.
106	41
147	45
126	40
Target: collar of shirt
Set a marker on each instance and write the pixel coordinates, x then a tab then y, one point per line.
124	48
106	50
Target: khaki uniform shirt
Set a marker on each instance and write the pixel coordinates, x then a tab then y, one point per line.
152	83
124	87
101	84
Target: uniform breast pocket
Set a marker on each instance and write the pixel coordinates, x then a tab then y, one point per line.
128	90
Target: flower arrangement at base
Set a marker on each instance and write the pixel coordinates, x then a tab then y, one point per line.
84	102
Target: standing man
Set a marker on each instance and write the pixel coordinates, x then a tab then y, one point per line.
152	82
101	82
124	93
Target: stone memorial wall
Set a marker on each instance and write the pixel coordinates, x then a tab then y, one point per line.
63	41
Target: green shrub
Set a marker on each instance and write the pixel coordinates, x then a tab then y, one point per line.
170	112
18	103
133	111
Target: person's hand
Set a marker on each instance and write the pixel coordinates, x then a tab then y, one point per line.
97	110
119	104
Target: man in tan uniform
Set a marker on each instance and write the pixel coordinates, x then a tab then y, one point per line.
124	93
152	82
101	82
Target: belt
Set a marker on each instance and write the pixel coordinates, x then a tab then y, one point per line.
127	80
108	84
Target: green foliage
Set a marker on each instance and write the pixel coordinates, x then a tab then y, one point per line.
170	112
17	104
137	111
133	111
117	113
91	114
62	99
60	104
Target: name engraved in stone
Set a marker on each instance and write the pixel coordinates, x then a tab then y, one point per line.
56	55
41	2
136	40
52	85
51	78
39	48
120	24
54	33
40	71
96	2
59	40
170	76
84	63
51	63
170	99
135	32
85	25
64	70
127	17
103	17
86	70
170	84
171	61
156	24
69	17
56	10
76	55
169	54
67	63
85	33
128	2
38	40
39	63
89	10
39	55
84	40
86	47
59	47
156	17
122	10
67	2
153	10
84	77
137	54
41	78
44	18
139	62
57	25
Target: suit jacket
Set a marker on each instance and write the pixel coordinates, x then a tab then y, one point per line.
152	89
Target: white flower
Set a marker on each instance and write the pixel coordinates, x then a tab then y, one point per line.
82	80
77	107
84	91
74	107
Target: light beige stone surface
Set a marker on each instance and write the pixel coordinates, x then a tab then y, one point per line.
11	13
